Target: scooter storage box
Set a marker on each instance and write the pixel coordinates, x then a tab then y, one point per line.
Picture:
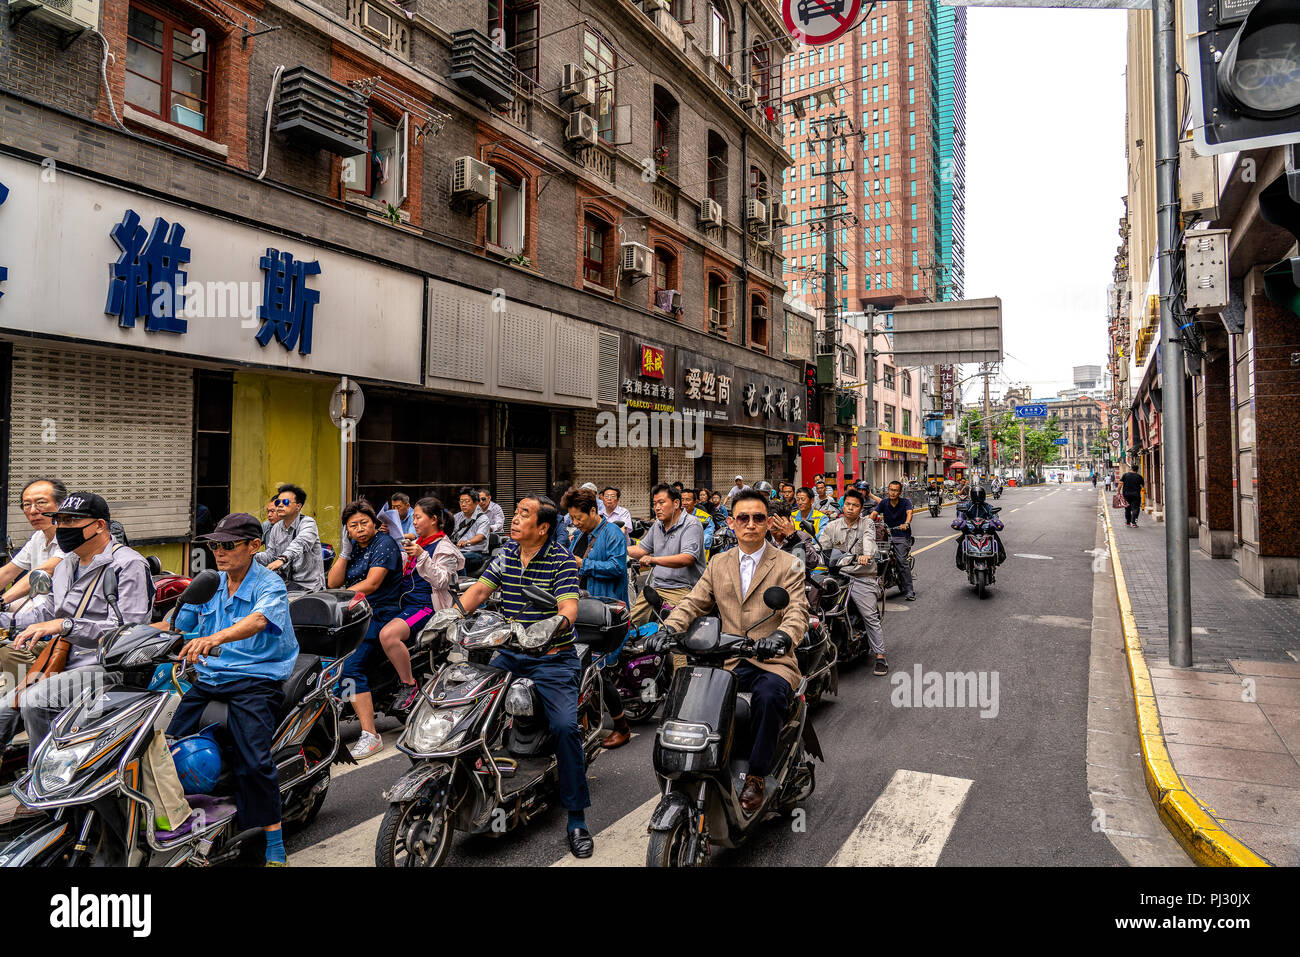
330	623
601	626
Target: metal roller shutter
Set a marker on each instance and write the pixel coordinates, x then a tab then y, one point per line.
116	425
626	469
736	454
519	474
676	466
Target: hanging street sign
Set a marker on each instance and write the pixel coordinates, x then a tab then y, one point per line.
819	21
1031	412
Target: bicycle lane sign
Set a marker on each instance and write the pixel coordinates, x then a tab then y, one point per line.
819	21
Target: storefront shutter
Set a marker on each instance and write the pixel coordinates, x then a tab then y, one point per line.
626	469
519	474
116	425
737	454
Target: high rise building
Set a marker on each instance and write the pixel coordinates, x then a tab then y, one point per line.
885	107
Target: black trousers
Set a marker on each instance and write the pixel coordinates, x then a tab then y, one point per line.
251	705
769	706
1132	508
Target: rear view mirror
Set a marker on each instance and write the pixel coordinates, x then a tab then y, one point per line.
776	598
201	589
40	582
541	598
652	597
110	584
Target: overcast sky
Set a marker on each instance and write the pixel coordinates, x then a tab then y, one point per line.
1045	177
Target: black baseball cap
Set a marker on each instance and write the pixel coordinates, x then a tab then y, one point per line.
82	505
236	527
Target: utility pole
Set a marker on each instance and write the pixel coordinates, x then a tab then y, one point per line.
1173	432
869	454
988	420
1024	464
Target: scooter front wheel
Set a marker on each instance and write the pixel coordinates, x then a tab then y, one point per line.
413	834
670	848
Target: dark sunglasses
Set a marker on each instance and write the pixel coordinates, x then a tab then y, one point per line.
750	518
284	501
226	546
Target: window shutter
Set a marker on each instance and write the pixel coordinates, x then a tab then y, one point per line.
607	384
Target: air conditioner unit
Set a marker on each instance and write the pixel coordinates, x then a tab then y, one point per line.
710	213
780	214
579	85
69	16
471	180
652	5
669	27
745	95
376	21
760	312
638	260
755	212
581	130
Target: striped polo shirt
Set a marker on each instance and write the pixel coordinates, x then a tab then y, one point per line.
552	568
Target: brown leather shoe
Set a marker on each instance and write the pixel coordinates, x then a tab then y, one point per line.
616	740
751	798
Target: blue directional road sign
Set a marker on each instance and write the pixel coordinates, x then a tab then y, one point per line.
1031	412
1061	441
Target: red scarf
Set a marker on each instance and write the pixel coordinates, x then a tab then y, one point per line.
409	567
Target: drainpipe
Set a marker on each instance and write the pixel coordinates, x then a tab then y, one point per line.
744	179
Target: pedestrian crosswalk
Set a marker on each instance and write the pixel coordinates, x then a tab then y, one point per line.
908	825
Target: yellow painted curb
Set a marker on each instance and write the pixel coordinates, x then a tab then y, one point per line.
1187	819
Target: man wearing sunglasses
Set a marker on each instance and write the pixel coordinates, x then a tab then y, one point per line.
496	518
733	585
293	543
76	610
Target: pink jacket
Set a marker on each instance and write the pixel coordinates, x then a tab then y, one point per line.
439	570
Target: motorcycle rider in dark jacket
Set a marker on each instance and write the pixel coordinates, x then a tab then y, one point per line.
977	508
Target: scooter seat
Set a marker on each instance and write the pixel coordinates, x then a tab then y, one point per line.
742	720
305	668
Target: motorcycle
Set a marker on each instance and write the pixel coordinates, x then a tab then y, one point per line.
483	758
887	564
997	490
168	587
934	499
979	547
701	750
818	658
640	676
86	772
838	615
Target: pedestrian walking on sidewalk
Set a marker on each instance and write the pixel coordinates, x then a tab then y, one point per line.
1131	485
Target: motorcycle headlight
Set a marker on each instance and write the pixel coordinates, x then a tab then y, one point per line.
539	634
56	766
430	729
685	735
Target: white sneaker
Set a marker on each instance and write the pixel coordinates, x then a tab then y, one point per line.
367	745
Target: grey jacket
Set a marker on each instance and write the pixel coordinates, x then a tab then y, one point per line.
71	579
300	546
837	535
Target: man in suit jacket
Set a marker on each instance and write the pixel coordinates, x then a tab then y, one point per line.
733	584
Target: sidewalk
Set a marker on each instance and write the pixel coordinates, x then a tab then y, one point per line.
1231	723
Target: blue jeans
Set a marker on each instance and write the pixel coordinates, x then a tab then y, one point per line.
557	678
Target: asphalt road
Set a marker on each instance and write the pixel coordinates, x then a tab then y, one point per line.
936	784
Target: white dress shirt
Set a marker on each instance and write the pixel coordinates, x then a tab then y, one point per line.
747	565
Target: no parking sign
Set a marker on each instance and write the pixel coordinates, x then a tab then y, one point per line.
819	21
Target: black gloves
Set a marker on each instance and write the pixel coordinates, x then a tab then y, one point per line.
773	646
661	641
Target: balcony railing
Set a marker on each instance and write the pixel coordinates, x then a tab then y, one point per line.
665	198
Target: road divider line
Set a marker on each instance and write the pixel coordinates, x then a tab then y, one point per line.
908	825
939	542
1182	812
622	844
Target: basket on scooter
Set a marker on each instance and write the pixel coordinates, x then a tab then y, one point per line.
601	625
331	623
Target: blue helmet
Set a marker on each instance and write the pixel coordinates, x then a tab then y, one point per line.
198	761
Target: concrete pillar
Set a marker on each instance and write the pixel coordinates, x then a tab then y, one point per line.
1214	452
1270	445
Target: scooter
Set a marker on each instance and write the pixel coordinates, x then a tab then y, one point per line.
979	548
701	750
839	616
483	758
934	500
818	657
168	586
86	772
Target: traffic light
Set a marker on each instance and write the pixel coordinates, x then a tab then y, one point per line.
1243	57
1279	204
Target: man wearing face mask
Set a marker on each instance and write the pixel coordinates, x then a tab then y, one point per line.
76	611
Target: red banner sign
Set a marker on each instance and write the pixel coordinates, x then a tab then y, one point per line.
652	362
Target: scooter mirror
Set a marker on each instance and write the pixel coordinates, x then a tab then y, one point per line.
652	597
776	598
39	582
541	598
110	584
201	589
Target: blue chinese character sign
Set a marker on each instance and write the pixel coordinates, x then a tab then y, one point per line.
287	304
147	281
1037	411
4	270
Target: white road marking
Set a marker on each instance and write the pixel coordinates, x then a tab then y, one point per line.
1047	558
909	823
354	847
622	844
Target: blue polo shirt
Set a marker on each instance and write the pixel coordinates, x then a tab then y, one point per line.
552	568
268	654
894	515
